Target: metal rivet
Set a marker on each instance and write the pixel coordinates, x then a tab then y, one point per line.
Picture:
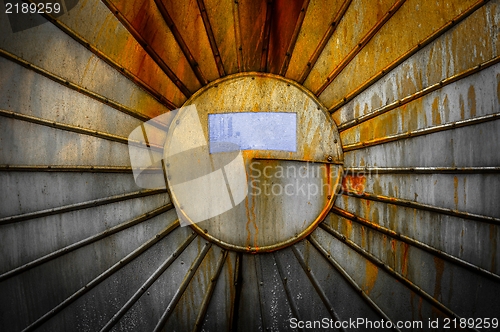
335	141
329	158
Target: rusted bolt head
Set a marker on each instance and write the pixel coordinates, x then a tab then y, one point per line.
329	158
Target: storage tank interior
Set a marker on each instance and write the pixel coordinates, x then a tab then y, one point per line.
398	99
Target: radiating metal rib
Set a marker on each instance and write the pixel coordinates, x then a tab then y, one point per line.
79	206
370	257
288	292
127	259
351	281
322	44
208	294
267	32
416	243
185	282
433	36
211	38
152	53
295	36
418	94
422	170
260	285
91	239
316	285
180	41
425	207
362	43
238	283
76	129
119	68
70	168
58	79
423	131
145	286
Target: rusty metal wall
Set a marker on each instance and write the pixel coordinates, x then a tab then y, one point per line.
414	90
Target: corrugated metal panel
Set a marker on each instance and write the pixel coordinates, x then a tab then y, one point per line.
413	87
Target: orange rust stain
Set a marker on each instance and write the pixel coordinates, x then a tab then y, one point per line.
404	259
436	116
471	96
355	183
462	107
348	227
256	228
371	274
455	186
439	265
446	107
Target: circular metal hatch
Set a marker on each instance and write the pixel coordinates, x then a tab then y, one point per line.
285	194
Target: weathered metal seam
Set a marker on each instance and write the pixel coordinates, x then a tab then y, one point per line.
208	294
370	257
73	168
78	130
408	54
425	207
288	292
450	258
351	281
322	44
295	36
423	170
185	282
74	86
180	41
423	131
434	87
125	72
94	282
87	241
80	206
145	286
211	38
152	53
316	285
362	43
264	65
